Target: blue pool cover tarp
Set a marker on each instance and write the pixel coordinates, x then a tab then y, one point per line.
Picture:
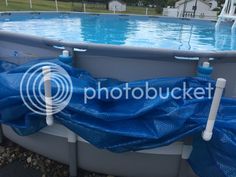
130	125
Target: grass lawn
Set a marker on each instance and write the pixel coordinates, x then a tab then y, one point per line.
46	5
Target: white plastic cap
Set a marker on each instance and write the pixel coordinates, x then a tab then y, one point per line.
206	135
206	64
46	69
65	53
220	83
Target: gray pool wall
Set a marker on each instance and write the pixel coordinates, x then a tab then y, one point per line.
121	62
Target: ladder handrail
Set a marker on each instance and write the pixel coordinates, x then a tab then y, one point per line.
228	12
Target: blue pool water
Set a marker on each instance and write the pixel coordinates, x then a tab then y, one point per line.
124	30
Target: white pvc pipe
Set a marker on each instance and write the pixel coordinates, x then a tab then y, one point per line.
6	2
220	85
56	5
31	6
48	95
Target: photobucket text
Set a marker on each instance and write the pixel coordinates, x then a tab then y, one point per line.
128	91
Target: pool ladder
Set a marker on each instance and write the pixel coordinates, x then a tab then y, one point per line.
227	13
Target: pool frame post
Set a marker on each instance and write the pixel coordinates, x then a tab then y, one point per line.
56	4
72	137
146	12
73	162
31	5
84	6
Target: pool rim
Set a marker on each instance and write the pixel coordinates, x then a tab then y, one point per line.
124	51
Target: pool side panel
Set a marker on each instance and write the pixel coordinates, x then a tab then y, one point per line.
132	164
132	69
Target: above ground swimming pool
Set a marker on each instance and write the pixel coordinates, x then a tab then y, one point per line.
130	49
126	30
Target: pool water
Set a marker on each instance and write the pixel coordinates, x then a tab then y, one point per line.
141	31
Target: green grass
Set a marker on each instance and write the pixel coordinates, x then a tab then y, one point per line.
47	5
